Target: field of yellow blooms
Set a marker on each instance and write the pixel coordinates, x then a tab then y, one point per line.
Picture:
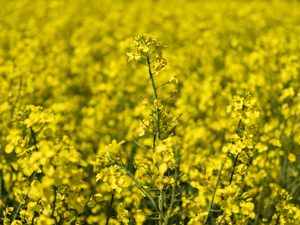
149	112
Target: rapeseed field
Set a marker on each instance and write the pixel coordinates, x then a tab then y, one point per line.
149	112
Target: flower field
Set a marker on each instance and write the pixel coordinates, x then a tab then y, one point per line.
149	112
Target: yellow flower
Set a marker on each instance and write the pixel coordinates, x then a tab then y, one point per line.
141	131
143	127
143	48
159	65
24	215
173	80
79	222
38	116
175	94
9	210
6	221
113	176
137	56
41	190
139	217
95	198
145	103
16	222
19	196
122	214
158	104
45	220
291	157
115	151
247	208
175	121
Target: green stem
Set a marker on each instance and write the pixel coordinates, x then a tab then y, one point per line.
214	192
154	51
150	175
161	200
142	63
1	194
15	214
54	201
73	219
277	219
110	207
154	137
233	168
173	191
155	96
162	85
35	214
289	148
138	143
34	139
265	182
221	219
144	190
166	98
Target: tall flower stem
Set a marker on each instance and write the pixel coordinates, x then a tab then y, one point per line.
213	195
233	168
173	198
110	207
54	201
157	134
155	98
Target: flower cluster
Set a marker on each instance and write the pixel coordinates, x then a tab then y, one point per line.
149	50
147	45
286	212
113	176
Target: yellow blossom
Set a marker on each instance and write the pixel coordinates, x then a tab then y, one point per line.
139	217
137	56
158	104
122	214
9	210
173	80
175	94
291	157
145	103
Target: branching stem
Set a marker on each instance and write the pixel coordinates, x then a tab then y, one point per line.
213	195
155	98
144	190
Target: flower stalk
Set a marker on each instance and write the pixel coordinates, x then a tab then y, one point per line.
157	135
213	195
148	51
110	206
173	198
